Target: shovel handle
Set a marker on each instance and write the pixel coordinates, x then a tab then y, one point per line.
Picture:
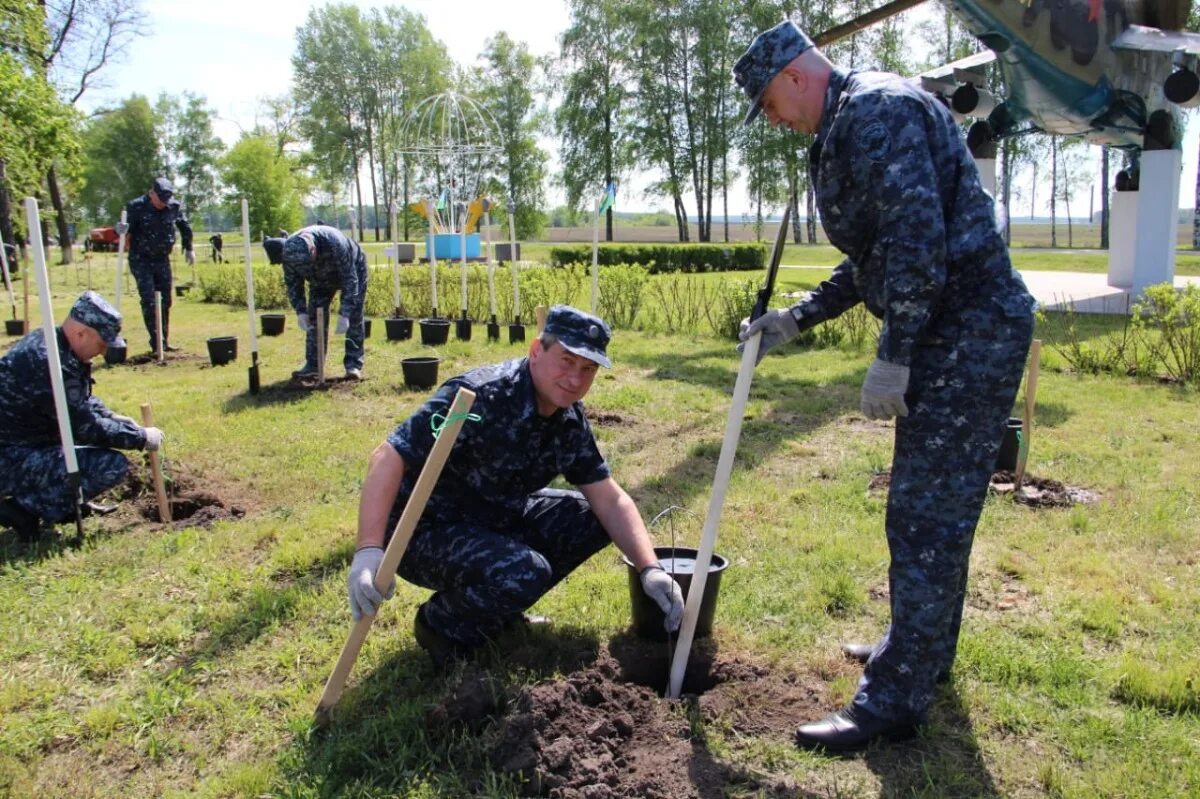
1035	362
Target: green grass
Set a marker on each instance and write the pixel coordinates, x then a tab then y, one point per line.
139	662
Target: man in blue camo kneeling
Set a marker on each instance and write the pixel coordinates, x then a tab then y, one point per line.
493	539
33	474
900	195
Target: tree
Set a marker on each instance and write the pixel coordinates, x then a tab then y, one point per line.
506	89
255	169
121	158
190	149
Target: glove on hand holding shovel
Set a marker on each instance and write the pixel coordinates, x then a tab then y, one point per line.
662	588
363	596
777	327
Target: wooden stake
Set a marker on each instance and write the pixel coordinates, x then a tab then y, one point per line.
1035	361
541	312
395	549
160	490
320	346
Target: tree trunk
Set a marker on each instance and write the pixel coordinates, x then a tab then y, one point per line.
6	228
725	190
1104	197
1067	202
1053	190
1006	194
1196	214
60	217
811	203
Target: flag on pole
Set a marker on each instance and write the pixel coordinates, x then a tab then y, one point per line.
610	194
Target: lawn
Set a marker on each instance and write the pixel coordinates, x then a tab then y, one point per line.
143	661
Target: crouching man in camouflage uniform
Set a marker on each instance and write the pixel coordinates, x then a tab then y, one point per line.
899	194
33	474
493	538
329	262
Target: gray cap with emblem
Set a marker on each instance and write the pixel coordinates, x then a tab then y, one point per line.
579	332
94	311
767	55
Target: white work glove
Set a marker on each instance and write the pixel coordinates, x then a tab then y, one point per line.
154	439
776	326
662	588
363	596
343	325
883	390
190	257
302	321
122	228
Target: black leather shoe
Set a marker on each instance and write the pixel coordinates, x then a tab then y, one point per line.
851	729
26	525
442	650
862	653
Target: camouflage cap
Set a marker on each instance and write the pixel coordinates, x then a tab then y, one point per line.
579	332
295	250
163	188
94	311
274	248
767	55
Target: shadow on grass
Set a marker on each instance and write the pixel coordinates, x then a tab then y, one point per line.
945	760
283	392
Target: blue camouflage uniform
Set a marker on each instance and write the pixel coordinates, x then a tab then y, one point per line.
151	237
32	469
493	538
339	265
900	195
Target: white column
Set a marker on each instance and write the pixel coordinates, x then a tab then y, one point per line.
1158	213
1122	237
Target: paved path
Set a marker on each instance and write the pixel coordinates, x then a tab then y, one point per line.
1085	292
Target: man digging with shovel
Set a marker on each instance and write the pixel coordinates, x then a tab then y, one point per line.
33	477
899	194
493	539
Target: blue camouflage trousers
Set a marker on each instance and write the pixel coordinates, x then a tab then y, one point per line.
322	300
153	274
36	478
483	578
961	391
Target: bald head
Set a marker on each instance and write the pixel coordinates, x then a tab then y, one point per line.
795	98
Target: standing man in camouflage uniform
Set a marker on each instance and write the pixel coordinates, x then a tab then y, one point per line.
900	195
33	474
493	539
152	219
328	262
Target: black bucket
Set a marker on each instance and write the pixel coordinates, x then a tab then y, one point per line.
420	371
435	331
182	289
1010	445
272	324
114	354
14	327
366	328
398	328
516	333
462	329
222	349
648	617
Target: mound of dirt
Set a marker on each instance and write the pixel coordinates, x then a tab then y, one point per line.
1035	492
190	506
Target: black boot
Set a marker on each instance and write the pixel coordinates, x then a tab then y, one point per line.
26	525
442	651
850	729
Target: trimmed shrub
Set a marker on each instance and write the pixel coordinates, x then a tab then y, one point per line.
666	257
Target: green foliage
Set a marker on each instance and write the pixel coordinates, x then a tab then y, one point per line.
122	156
227	284
1175	315
256	170
621	293
667	257
191	149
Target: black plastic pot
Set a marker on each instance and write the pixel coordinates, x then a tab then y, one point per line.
462	329
420	371
114	354
648	617
14	327
1010	445
435	331
516	333
222	349
399	328
272	323
366	328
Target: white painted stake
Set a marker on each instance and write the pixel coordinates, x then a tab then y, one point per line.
250	297
120	263
8	280
596	258
733	430
395	262
433	274
512	255
158	326
462	244
491	266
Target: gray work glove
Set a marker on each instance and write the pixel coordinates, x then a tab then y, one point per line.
190	257
122	228
776	327
883	390
662	588
154	439
343	325
363	596
302	321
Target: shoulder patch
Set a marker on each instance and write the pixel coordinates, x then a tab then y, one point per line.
874	140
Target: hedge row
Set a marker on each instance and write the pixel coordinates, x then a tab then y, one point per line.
667	257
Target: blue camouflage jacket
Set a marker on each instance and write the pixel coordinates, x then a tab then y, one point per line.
27	414
498	461
899	194
335	268
152	231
